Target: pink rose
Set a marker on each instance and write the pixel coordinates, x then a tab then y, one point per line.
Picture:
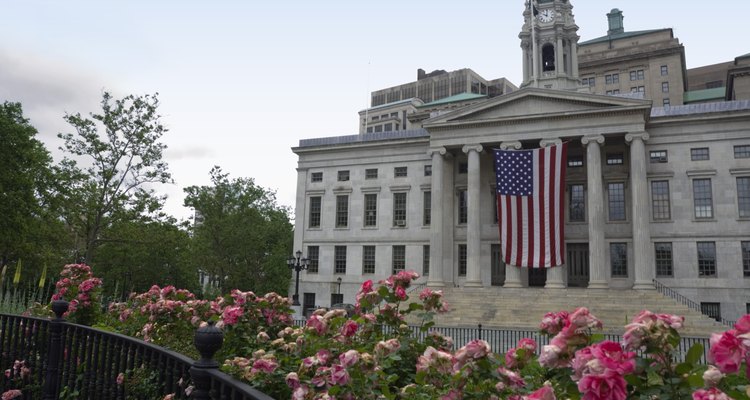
120	378
264	365
725	351
12	394
613	357
712	376
473	350
317	323
607	386
349	358
349	329
543	393
339	375
743	324
400	293
292	380
710	394
231	315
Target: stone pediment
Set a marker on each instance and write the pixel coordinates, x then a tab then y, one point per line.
530	103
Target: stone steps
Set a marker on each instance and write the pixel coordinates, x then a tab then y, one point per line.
525	307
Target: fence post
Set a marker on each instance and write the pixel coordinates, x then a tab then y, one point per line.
54	351
208	340
479	331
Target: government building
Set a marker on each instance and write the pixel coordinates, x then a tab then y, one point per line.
657	184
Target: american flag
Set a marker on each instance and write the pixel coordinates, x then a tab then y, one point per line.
530	189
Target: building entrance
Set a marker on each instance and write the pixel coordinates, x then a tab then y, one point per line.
578	264
537	277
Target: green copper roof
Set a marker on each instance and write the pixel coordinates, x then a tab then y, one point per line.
705	94
458	97
616	36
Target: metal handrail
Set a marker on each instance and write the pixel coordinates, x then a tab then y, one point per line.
669	292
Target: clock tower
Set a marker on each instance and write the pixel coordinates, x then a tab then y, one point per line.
549	40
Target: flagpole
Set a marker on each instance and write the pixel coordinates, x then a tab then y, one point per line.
534	52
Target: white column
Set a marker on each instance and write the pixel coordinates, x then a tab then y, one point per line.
595	204
525	52
559	57
512	273
642	248
574	56
436	225
473	228
555	275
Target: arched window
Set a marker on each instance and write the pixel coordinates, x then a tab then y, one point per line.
548	57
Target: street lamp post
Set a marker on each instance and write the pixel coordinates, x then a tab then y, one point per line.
297	264
338	280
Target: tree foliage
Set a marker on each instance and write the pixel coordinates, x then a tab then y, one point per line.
244	236
29	195
122	158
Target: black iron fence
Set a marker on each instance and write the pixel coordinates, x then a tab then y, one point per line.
676	296
54	359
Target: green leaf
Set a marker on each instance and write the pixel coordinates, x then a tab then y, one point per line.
694	354
695	380
597	337
654	379
633	380
683	368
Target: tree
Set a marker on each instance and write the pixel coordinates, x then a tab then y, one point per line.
29	196
123	160
244	237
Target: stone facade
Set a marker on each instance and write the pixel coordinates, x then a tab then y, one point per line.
651	192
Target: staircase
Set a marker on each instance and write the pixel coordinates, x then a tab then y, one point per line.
524	308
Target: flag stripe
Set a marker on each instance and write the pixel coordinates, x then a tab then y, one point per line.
531	228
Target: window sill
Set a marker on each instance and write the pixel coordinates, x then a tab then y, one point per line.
662	221
317	228
399	227
704	219
341	228
369	228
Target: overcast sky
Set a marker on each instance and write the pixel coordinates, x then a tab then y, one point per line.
240	82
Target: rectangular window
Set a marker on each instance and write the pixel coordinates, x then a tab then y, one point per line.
745	246
426	260
618	258
399	172
577	205
575	161
462	260
614	159
369	129
427	209
742	151
339	260
703	198
399	209
371	209
495	204
463	206
308	303
660	206
665	102
615	78
616	199
497	266
316	177
378	128
637	75
368	259
665	87
699	154
371	173
463	168
663	258
607	79
342	211
388	127
399	258
314	212
743	196
706	258
637	89
428	170
712	310
590	81
664	70
658	156
313	254
343	176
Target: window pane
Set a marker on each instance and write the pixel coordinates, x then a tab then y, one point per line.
660	200
427	209
339	260
663	253
399	258
399	209
742	151
368	259
699	154
618	256
575	161
343	176
702	198
463	207
313	253
314	212
745	258
371	209
659	156
497	266
371	173
399	172
426	260
461	260
616	201
316	177
614	159
428	170
577	204
743	196
706	258
342	211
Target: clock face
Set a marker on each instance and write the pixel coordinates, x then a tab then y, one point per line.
546	15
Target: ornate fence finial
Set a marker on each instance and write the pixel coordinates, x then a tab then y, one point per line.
208	340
